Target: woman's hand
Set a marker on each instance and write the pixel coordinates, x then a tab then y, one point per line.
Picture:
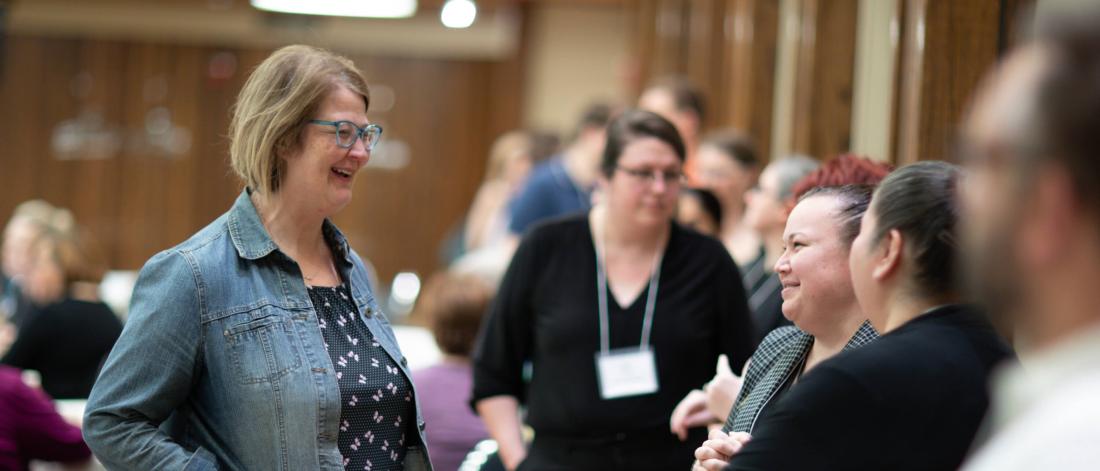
721	392
691	412
716	452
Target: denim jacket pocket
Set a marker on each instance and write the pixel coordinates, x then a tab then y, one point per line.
263	349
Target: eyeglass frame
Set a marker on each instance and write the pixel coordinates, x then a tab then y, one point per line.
359	132
648	177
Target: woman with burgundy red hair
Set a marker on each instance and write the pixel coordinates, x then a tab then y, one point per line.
818	297
724	393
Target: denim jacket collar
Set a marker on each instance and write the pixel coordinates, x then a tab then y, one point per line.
253	242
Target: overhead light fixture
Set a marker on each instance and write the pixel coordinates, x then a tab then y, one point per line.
358	8
458	13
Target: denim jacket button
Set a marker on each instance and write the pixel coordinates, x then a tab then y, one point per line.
421	424
369	311
405	362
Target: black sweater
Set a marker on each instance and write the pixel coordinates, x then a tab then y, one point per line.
546	312
66	343
912	400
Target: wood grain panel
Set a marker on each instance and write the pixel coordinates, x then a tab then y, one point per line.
704	54
946	46
824	78
139	201
671	23
22	121
748	68
93	184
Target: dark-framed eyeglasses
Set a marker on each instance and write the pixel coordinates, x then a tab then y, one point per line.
647	177
348	132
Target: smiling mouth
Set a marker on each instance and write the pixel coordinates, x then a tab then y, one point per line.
342	173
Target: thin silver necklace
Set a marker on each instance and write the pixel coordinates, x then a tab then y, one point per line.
309	279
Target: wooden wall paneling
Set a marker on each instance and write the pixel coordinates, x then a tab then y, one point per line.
824	78
94	176
643	34
703	54
907	73
136	233
835	68
21	92
671	23
750	35
140	202
52	176
805	84
947	46
507	79
180	213
218	186
147	176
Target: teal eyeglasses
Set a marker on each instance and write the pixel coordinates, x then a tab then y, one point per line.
348	132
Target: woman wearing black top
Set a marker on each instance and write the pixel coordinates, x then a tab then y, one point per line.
620	313
913	399
67	341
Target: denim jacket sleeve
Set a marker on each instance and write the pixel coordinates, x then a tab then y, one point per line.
149	372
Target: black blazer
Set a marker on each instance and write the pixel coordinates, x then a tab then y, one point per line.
912	400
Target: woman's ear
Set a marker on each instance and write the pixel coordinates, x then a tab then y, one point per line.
283	150
889	255
288	146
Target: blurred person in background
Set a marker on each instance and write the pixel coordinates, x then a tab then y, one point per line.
729	167
1032	218
682	103
258	342
563	185
453	306
849	178
699	209
620	312
74	331
914	398
31	429
544	145
489	216
766	213
557	187
27	222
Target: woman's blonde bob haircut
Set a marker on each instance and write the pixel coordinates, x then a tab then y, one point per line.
276	102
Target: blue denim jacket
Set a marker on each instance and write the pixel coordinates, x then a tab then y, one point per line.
221	364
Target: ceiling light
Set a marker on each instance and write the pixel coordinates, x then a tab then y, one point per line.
357	8
458	13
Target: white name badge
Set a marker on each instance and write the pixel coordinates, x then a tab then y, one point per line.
624	373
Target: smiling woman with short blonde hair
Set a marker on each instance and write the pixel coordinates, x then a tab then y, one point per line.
258	343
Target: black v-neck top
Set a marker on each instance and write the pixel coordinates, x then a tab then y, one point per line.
546	312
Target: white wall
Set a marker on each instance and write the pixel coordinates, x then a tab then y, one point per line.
575	55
